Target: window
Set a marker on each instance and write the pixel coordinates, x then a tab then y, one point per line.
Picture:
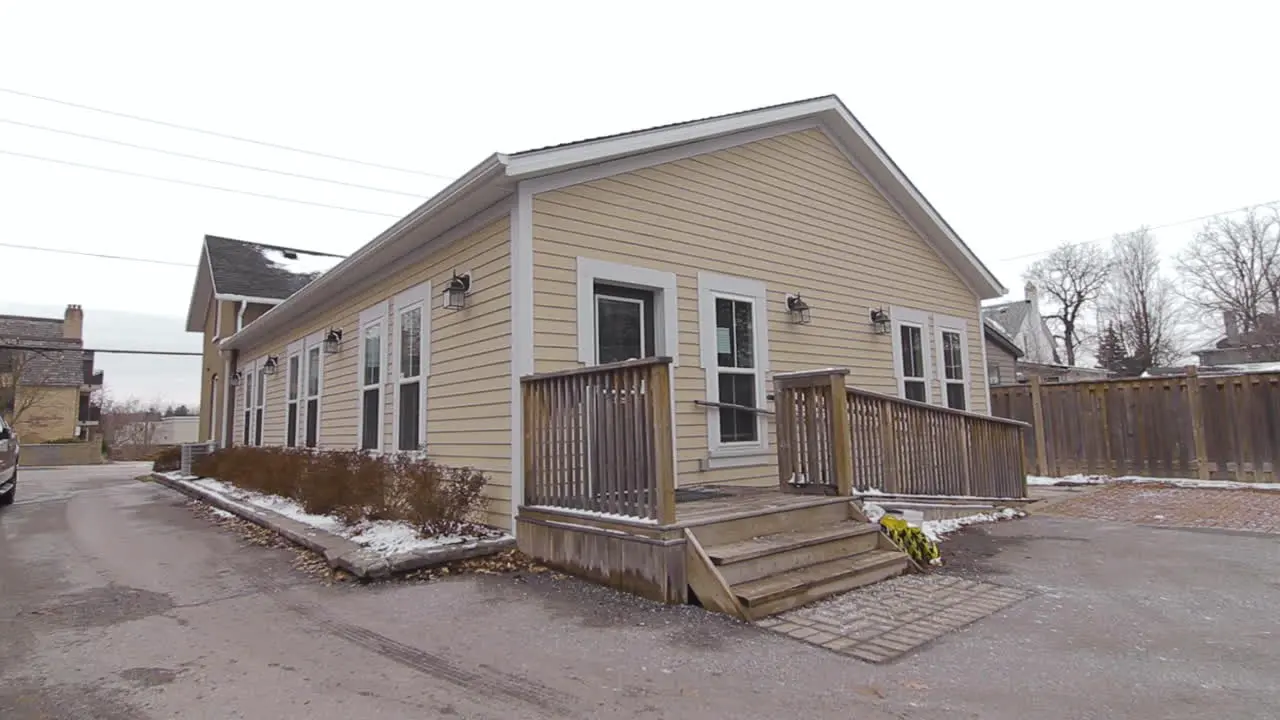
259	405
624	323
372	322
911	353
412	346
625	311
993	374
311	412
953	357
291	401
246	381
733	334
213	407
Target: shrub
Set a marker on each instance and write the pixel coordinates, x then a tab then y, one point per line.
167	460
912	540
438	500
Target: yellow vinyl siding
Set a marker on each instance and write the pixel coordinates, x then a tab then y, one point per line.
468	406
790	211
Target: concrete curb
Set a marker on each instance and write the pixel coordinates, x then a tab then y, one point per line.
338	551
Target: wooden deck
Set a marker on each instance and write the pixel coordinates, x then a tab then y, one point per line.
727	502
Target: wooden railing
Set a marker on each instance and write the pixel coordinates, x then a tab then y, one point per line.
598	440
836	439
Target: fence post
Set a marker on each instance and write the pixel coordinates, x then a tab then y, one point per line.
1197	422
841	439
664	451
1037	417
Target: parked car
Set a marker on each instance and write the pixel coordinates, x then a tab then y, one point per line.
8	463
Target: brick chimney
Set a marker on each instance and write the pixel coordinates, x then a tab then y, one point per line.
1232	327
1032	295
73	323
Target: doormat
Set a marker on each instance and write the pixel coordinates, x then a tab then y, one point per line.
695	494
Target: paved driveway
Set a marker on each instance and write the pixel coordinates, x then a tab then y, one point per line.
117	602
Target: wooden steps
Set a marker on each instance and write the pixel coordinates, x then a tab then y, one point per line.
769	563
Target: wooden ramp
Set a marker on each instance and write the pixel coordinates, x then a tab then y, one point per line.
763	561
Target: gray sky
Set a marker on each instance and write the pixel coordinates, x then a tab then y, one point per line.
1024	127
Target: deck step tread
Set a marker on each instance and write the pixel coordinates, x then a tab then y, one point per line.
763	545
757	592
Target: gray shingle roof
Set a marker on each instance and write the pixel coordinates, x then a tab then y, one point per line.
998	336
1008	316
265	271
42	365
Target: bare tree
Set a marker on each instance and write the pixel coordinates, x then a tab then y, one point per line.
1072	276
129	427
24	391
1233	266
1139	302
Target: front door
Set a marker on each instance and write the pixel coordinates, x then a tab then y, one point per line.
624	323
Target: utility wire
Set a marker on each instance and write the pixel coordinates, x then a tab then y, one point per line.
203	158
96	255
226	136
196	184
55	348
1272	203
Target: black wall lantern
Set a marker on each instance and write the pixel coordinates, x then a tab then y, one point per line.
235	378
455	293
880	321
799	309
333	340
269	367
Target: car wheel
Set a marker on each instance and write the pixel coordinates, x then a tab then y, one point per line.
7	498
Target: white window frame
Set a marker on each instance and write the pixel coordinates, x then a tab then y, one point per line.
710	287
260	404
293	352
418	297
214	382
946	324
370	317
899	316
663	285
312	342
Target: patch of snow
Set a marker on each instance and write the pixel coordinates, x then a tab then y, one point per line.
874	511
871	491
596	514
178	475
1178	482
220	513
935	529
303	262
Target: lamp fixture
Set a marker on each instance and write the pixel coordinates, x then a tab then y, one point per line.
798	308
269	367
880	321
235	378
333	340
455	293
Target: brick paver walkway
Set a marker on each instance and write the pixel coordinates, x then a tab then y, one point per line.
1257	510
886	620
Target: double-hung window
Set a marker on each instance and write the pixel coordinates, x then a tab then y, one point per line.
372	354
246	382
412	340
293	394
911	353
259	404
953	355
312	382
733	333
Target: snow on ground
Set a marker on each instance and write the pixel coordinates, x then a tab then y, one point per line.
382	536
935	529
1179	482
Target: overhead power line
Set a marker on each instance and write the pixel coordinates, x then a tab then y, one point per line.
225	136
96	255
55	348
1220	213
176	181
203	158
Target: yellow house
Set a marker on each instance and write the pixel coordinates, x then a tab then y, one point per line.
47	377
689	241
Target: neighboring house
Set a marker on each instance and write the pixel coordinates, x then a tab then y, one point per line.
1021	320
238	281
173	430
1052	372
1258	345
47	378
1002	355
687	241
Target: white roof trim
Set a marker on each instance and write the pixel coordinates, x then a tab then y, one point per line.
248	298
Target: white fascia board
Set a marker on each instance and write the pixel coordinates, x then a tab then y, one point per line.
247	299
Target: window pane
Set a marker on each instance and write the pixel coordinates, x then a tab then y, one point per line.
246	426
912	351
372	355
293	377
313	421
735	334
915	390
619	329
313	372
993	374
952	356
291	431
409	416
369	419
955	396
724	332
260	396
738	425
257	427
411	343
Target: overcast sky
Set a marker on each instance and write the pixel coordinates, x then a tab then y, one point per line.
1024	127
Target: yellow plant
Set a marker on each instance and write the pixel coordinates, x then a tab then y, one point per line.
912	540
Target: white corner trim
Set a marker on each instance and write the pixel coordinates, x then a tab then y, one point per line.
899	316
591	271
228	392
521	334
986	373
418	296
710	286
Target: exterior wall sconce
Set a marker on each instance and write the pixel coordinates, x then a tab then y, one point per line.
235	378
799	309
455	293
333	341
269	367
880	321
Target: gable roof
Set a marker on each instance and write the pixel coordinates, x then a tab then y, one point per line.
1009	316
997	335
53	361
239	269
498	177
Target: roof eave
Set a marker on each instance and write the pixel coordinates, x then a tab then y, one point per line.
200	295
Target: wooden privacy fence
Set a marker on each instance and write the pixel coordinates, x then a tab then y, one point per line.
836	439
1222	427
598	439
